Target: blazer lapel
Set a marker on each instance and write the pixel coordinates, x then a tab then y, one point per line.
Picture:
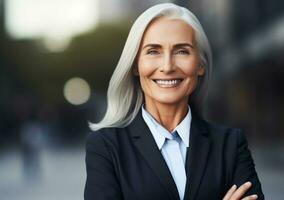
146	144
197	155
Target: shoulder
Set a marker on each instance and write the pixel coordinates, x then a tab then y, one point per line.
100	135
225	133
213	129
105	137
228	141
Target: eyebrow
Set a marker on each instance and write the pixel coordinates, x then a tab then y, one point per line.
179	45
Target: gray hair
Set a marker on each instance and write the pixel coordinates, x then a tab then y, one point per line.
124	95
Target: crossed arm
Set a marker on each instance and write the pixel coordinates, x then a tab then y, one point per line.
246	183
103	184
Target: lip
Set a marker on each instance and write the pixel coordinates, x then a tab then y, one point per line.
168	83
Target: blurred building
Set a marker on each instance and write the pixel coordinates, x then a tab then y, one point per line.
247	38
40	129
117	10
247	42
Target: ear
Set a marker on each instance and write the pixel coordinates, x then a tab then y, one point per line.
201	71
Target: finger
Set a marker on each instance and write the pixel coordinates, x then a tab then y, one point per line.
230	192
251	197
241	190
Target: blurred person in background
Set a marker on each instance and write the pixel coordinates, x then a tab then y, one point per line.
32	135
153	142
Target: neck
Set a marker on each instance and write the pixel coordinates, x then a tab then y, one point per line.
168	115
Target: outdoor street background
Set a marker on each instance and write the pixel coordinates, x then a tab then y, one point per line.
56	59
63	175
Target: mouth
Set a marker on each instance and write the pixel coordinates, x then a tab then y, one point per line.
168	83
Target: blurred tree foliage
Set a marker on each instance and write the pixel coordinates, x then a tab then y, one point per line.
92	56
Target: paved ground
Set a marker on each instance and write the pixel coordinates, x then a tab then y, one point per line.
269	160
62	175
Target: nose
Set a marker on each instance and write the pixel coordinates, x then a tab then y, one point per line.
168	64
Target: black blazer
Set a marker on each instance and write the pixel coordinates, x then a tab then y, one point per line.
125	163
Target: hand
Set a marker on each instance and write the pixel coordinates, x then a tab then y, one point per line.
236	193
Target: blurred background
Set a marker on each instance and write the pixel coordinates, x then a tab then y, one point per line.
57	56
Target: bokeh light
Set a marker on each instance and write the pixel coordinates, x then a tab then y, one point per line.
50	20
76	91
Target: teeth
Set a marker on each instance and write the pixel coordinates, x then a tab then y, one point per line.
167	82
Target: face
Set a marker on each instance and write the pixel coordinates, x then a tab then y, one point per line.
168	62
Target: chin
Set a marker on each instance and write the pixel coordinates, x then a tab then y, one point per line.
169	99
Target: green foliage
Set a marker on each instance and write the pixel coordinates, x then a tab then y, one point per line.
92	56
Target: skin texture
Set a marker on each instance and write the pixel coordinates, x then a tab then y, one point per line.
235	193
168	51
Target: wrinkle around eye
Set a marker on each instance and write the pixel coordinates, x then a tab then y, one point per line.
183	52
152	52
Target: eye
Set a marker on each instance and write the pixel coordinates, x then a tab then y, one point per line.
182	52
152	52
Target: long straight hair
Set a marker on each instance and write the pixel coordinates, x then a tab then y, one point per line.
124	95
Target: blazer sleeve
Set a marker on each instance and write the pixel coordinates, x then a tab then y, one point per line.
245	168
101	183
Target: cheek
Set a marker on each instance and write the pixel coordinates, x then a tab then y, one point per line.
190	85
190	69
145	70
189	66
146	67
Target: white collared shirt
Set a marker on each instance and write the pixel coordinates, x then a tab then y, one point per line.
160	135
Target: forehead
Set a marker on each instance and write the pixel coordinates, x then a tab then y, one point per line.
165	30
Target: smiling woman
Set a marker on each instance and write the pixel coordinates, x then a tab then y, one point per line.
168	68
153	142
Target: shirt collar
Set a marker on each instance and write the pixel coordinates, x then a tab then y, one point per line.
160	133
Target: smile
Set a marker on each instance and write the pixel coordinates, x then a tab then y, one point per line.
167	83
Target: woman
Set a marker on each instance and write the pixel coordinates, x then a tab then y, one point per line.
152	143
